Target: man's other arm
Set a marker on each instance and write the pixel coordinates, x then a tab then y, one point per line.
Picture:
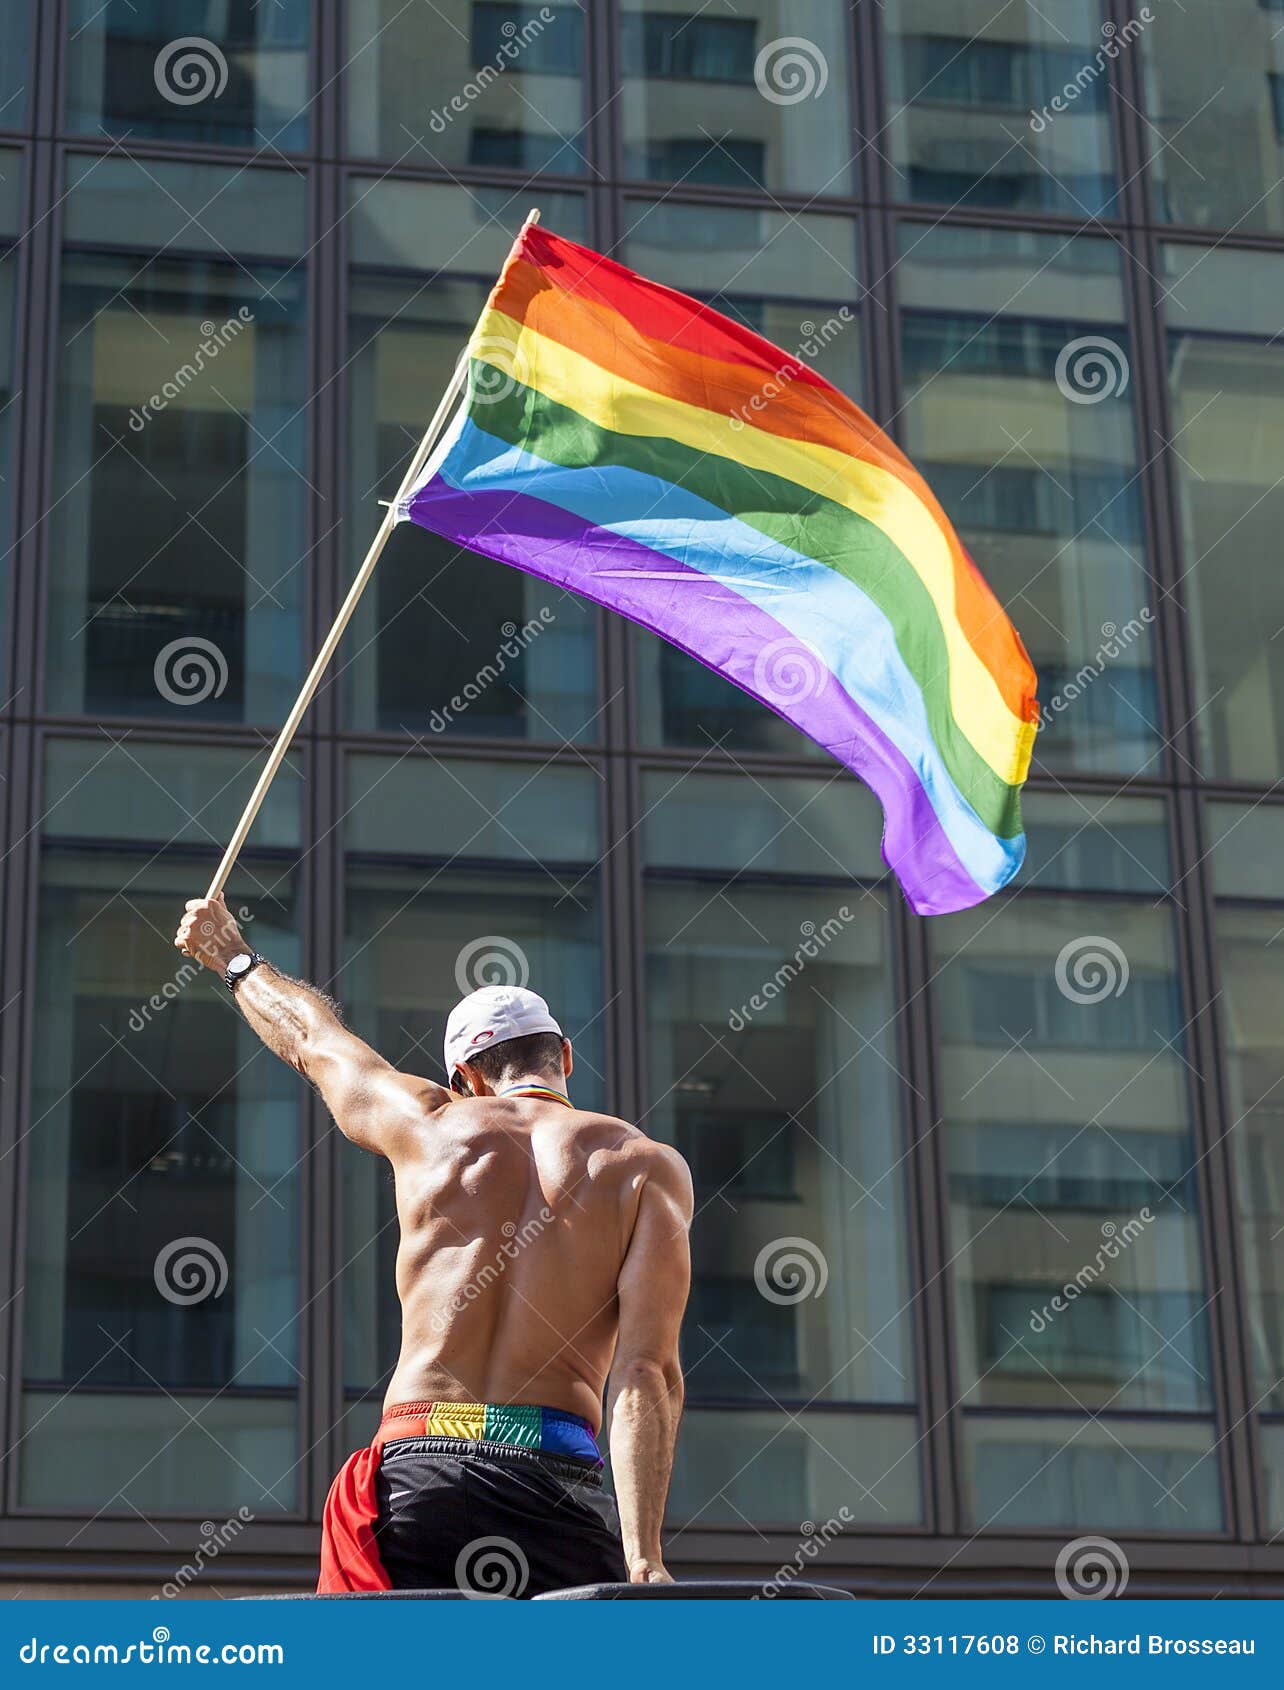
372	1104
646	1391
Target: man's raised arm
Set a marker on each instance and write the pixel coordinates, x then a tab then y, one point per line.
646	1390
372	1104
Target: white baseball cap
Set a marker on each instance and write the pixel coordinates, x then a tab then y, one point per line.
489	1016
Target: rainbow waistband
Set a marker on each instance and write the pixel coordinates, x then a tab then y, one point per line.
519	1425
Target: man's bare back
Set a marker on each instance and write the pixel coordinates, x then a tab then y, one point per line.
516	1216
542	1248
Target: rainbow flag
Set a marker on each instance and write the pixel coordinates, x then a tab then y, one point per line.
624	441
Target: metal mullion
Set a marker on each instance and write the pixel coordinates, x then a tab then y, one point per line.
1225	1243
16	867
37	298
50	26
595	92
319	1195
1131	147
326	36
926	1182
22	893
869	104
1218	1228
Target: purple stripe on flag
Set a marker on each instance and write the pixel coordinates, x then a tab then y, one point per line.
544	540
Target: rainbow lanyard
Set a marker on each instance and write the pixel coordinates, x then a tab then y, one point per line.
545	1093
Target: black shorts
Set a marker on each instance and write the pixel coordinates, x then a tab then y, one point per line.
493	1520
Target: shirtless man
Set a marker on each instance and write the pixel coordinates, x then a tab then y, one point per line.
541	1248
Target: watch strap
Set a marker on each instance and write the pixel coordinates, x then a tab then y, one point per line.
232	981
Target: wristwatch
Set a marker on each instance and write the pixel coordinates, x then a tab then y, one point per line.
239	967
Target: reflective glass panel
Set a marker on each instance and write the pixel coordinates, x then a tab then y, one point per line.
772	1065
445	642
497	84
15	59
226	71
1143	1475
180	554
1247	854
756	1465
1018	413
1001	105
1073	1182
161	1187
1225	314
1215	114
752	97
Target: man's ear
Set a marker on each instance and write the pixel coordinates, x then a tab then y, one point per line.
568	1060
477	1086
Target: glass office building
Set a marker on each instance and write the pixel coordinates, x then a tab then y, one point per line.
990	1235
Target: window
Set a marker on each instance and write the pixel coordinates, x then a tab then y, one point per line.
1247	842
1002	106
705	96
1018	412
1074	1190
460	82
235	73
518	37
1216	152
10	185
692	47
15	58
161	1187
754	986
180	449
734	164
1147	1476
1226	377
510	657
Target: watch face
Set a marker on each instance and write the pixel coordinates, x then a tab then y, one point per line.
239	964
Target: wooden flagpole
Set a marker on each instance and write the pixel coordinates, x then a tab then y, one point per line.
346	609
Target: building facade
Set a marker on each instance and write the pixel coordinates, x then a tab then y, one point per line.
990	1235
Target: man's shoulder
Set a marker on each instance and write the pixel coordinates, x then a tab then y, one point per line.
643	1159
632	1143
